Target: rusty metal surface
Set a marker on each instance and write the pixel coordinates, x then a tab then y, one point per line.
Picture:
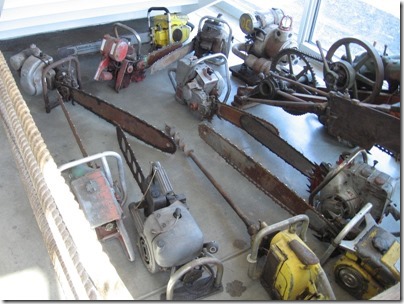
156	55
264	180
95	198
277	145
128	122
234	116
268	135
171	58
363	126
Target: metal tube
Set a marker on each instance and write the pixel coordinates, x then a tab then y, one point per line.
299	84
252	257
236	49
355	220
101	155
139	42
171	72
325	283
189	266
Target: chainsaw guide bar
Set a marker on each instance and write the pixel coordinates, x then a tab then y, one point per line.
264	180
128	122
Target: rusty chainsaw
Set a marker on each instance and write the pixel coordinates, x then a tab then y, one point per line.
40	75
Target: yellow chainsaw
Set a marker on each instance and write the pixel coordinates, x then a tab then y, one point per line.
167	28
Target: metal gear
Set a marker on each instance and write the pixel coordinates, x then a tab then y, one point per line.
286	64
294	65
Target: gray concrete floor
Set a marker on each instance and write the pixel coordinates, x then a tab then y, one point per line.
26	271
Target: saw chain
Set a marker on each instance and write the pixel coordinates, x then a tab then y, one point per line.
133	125
264	180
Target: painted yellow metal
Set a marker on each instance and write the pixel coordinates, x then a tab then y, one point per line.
180	31
296	274
367	287
391	258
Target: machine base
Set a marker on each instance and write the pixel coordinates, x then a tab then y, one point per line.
244	73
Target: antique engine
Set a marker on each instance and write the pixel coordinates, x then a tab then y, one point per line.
198	85
30	64
349	186
213	37
168	28
120	59
168	237
267	34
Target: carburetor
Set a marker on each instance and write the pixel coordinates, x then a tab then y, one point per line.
198	85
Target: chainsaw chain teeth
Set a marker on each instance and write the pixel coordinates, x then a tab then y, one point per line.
302	55
325	232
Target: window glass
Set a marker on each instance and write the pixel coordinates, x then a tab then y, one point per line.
368	20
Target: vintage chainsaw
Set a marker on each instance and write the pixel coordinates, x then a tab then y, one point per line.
123	62
40	75
167	28
291	271
336	192
168	237
212	38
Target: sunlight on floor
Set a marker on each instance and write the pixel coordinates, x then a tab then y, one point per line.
28	284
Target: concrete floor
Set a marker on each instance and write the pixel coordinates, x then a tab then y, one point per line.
26	272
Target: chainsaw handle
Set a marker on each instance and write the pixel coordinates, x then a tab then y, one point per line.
158	8
129	29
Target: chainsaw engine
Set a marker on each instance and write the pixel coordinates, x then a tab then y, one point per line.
39	74
213	37
349	186
292	271
198	85
168	28
267	34
168	237
120	60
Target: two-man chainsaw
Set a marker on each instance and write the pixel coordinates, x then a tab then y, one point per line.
39	75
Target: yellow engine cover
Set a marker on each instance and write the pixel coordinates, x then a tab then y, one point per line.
180	31
291	271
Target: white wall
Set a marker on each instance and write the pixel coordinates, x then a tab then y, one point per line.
26	17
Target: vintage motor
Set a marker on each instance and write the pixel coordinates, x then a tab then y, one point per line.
213	37
291	271
369	263
267	34
30	64
168	237
168	28
120	60
198	85
349	186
